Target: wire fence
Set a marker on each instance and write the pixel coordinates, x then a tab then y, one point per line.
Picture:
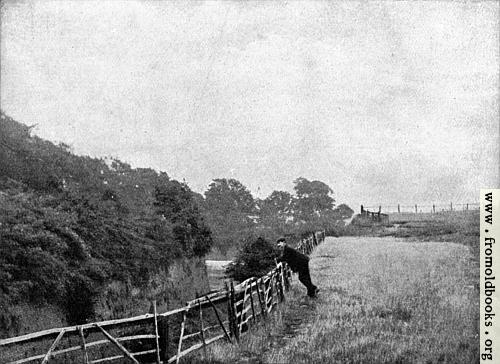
423	208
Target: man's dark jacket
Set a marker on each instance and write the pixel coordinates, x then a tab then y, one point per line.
296	260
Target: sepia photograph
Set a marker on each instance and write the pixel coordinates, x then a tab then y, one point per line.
249	182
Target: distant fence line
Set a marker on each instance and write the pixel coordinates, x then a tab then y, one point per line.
423	208
161	337
372	215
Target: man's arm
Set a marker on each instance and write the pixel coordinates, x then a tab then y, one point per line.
282	257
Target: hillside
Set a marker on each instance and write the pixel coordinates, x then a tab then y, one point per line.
72	225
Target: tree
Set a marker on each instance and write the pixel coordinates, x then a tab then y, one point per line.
230	211
278	203
276	211
228	196
313	204
175	202
313	197
343	212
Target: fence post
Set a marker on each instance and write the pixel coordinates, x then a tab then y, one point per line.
451	206
276	286
84	346
251	300
234	310
433	208
467	207
399	209
181	337
416	210
282	282
156	334
279	273
229	309
202	329
164	329
262	309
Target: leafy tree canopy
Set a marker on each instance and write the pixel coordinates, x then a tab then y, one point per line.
343	212
313	199
228	196
278	203
175	202
229	209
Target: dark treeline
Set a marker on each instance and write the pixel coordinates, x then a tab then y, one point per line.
236	218
71	224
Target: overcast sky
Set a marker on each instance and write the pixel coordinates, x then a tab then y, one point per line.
385	102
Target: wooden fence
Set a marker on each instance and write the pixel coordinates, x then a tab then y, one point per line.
307	245
374	216
160	337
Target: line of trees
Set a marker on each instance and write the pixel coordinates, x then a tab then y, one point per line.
235	216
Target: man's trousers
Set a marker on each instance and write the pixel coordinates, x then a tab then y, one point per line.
305	279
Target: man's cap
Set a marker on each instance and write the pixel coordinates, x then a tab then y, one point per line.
281	242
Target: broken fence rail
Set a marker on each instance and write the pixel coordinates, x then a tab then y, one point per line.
223	314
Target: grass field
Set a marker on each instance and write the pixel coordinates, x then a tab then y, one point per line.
382	300
460	227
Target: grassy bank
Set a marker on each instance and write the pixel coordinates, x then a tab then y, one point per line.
383	300
458	227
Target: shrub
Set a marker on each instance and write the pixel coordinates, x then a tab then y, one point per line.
80	298
255	258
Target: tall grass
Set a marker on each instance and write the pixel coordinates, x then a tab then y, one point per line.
382	301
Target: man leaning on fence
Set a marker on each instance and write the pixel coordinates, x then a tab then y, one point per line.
299	263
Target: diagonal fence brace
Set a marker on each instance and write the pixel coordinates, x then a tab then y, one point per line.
52	347
118	345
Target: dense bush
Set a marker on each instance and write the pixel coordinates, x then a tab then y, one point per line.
255	258
69	225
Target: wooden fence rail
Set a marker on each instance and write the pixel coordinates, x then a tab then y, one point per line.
148	338
374	216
